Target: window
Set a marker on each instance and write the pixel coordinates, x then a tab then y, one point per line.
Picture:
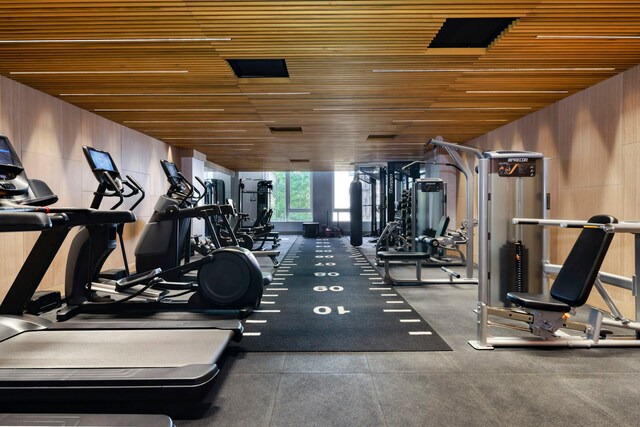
291	196
342	200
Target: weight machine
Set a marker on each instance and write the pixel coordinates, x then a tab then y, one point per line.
514	267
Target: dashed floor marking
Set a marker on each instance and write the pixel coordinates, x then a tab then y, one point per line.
379	289
266	311
251	334
410	320
397	310
255	321
420	333
267	302
394	302
269	295
386	295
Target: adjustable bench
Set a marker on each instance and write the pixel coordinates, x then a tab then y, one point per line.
545	314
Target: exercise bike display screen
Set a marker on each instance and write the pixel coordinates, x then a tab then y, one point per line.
101	160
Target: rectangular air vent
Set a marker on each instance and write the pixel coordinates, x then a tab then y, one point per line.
384	137
259	68
470	32
285	129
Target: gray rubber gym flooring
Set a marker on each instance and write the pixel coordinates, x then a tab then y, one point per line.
463	387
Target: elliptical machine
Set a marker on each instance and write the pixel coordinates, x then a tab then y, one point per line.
228	279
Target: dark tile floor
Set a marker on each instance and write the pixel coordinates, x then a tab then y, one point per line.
463	387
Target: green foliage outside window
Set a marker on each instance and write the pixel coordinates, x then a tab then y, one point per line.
299	196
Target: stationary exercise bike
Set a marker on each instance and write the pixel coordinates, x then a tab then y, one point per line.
227	279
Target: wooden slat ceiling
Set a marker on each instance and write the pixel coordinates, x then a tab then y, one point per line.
184	93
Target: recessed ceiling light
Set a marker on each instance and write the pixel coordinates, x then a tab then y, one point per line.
116	110
517	91
135	40
495	70
560	36
99	72
189	94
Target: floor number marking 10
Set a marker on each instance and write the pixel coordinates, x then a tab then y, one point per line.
324	310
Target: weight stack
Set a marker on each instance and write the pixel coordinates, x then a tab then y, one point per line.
514	257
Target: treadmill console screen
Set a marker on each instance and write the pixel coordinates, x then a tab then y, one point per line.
171	169
6	154
101	160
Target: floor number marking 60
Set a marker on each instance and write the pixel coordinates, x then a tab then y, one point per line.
330	288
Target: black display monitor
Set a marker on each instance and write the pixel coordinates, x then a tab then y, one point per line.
100	160
7	155
101	163
170	169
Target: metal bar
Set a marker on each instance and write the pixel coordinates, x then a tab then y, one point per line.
607	299
33	270
608	278
564	223
546	233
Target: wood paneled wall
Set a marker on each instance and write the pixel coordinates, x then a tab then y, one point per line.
593	138
49	134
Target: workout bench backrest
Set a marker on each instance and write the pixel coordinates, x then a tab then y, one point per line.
580	270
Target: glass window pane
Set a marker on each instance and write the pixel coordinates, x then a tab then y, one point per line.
300	190
341	182
278	197
300	216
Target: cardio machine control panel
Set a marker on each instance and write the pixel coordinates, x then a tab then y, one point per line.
12	178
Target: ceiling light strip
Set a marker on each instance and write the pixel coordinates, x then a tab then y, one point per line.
199	121
448	120
116	110
420	109
221	137
21	73
132	40
493	70
517	91
586	36
189	94
195	130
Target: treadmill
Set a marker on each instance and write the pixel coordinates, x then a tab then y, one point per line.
42	364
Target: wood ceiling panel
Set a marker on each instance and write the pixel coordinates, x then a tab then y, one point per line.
357	68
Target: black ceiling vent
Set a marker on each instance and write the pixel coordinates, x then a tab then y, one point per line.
299	160
259	68
470	32
285	129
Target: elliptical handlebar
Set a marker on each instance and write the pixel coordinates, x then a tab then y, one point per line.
135	189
